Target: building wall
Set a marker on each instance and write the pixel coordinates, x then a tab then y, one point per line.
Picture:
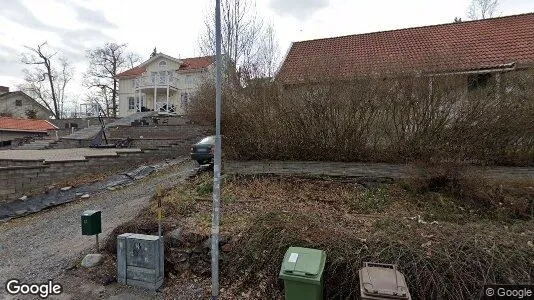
20	177
8	105
188	82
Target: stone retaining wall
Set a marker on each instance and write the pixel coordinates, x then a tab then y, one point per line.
169	132
23	176
147	137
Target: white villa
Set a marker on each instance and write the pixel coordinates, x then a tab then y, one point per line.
163	83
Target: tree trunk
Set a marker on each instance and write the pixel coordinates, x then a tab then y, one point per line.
54	98
114	98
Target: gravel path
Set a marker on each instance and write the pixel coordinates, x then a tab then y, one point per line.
38	247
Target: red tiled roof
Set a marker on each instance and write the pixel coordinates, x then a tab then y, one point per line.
132	72
188	64
433	49
28	125
196	63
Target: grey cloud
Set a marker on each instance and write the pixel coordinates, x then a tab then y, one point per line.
77	41
10	62
74	41
300	9
14	11
89	16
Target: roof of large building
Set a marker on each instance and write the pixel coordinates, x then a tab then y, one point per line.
196	63
25	125
187	64
453	47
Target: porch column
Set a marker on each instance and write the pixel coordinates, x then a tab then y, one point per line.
155	91
167	98
139	102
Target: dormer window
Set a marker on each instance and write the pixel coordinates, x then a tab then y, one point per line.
162	63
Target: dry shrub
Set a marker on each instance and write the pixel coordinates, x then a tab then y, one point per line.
144	226
447	263
374	119
468	188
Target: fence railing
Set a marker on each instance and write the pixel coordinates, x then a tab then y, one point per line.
155	80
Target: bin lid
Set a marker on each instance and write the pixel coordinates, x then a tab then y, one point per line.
384	281
90	212
304	263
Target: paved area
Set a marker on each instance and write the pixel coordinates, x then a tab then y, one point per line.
61	154
39	247
366	170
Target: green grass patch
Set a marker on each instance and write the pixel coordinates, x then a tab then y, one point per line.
369	200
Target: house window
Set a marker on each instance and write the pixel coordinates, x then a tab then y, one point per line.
477	81
131	103
162	63
18	102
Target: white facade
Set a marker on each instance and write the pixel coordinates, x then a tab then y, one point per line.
170	81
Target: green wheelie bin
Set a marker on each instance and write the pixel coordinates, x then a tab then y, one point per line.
302	272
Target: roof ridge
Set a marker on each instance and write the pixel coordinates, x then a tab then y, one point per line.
417	27
205	56
143	64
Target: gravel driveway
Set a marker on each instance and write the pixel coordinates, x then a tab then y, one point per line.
38	247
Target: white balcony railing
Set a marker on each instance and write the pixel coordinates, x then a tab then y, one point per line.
155	80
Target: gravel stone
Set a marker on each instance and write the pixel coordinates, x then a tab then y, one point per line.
41	246
91	260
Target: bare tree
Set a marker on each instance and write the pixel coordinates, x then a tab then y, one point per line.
65	74
133	59
104	64
269	54
245	37
43	80
482	9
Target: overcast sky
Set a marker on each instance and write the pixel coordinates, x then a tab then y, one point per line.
172	26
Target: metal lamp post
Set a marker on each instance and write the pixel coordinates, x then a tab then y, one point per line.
217	161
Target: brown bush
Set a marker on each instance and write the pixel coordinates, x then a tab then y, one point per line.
454	266
373	119
471	190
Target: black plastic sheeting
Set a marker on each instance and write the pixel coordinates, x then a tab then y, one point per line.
56	196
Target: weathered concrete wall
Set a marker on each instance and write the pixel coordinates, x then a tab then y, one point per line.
170	132
11	135
153	137
80	123
22	176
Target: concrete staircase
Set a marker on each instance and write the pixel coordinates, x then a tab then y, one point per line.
84	134
38	145
90	132
127	121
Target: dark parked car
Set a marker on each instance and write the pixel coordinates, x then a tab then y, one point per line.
204	150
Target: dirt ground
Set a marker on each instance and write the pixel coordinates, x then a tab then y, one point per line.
353	219
45	245
447	244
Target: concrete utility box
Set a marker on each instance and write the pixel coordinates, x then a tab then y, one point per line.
140	260
91	222
382	281
302	272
